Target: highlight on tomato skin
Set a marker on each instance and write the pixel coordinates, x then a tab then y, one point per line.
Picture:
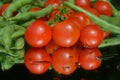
37	60
89	58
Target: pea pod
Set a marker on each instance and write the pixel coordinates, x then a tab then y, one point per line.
30	15
18	33
14	6
6	37
19	44
103	24
110	42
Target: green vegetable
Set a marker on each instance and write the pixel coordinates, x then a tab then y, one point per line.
31	15
102	23
14	6
19	43
110	42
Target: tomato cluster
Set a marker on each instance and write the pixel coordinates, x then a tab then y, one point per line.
69	43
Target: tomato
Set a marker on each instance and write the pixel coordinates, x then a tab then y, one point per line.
106	34
64	61
37	60
55	3
83	3
66	33
3	7
51	47
84	19
38	34
92	10
91	36
89	58
103	8
76	21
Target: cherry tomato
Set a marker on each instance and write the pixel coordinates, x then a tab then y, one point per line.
92	10
106	34
55	3
76	21
84	19
83	3
91	36
103	8
51	47
37	60
89	58
64	61
38	34
66	33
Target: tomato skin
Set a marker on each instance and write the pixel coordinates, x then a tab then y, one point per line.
64	61
88	58
106	34
38	34
92	10
103	8
66	33
51	47
84	19
91	36
37	60
83	3
34	9
55	3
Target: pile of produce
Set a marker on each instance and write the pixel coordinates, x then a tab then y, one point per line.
63	35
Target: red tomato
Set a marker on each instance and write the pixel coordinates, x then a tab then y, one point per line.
37	60
83	3
3	7
106	34
66	33
55	3
51	47
91	36
84	19
103	8
64	61
38	34
89	60
92	10
76	21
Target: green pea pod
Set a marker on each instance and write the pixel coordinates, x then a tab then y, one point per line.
20	53
18	33
32	15
7	63
19	44
26	24
6	37
113	20
15	6
110	42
